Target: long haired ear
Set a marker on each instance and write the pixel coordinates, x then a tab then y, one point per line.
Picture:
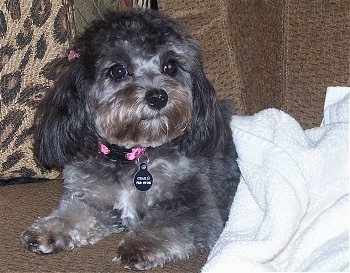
209	130
62	130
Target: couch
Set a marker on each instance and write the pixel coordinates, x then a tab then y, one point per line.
258	53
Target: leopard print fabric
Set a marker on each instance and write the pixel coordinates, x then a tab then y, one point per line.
33	36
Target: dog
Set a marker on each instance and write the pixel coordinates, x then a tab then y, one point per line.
144	142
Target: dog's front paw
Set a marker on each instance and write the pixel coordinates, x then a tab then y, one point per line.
44	241
139	253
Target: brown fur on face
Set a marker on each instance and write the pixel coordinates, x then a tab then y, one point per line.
142	126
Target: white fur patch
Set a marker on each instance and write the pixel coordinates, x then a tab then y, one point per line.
126	204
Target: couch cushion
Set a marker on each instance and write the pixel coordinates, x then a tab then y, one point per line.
209	24
316	45
32	35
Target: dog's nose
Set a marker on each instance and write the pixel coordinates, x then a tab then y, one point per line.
156	98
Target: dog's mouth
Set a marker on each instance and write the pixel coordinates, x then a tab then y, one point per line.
150	132
142	125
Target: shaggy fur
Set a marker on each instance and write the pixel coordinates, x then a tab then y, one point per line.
136	80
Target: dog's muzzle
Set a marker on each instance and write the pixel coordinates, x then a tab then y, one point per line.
156	98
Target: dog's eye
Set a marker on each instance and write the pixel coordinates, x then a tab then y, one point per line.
119	71
169	68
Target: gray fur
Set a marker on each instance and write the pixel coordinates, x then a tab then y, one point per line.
189	152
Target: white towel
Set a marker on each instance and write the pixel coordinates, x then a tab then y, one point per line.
290	212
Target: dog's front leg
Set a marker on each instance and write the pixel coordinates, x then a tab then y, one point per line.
165	236
73	223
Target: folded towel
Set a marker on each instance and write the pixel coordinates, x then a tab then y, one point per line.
290	212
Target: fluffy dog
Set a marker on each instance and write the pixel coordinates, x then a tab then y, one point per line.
144	143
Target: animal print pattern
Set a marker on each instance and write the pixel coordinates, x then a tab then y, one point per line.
33	35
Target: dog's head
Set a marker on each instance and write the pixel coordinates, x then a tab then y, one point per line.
133	79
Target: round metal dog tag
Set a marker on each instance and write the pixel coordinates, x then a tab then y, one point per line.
143	180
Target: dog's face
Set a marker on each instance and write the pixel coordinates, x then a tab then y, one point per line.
138	81
141	88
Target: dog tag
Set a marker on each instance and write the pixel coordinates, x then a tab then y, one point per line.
143	179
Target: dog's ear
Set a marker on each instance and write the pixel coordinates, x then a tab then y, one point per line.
208	131
62	130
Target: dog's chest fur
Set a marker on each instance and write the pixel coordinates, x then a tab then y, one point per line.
111	186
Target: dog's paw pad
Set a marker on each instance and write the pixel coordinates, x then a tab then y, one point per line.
31	241
138	256
44	242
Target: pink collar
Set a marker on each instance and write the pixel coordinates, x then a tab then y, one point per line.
116	152
72	55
